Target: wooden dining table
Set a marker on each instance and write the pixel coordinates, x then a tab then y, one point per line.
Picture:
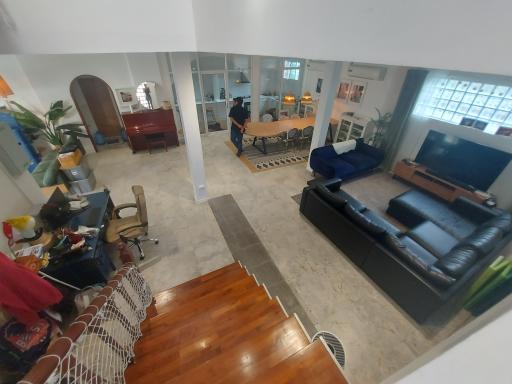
263	131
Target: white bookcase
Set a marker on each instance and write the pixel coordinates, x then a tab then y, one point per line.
351	127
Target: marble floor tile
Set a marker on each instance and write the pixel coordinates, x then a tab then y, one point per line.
378	337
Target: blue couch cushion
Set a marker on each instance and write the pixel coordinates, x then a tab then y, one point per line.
340	167
359	160
433	238
375	153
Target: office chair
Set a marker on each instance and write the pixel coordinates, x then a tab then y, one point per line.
132	230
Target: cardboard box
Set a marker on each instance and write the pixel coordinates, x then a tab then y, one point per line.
70	159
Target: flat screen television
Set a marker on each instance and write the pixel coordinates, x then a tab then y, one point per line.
462	162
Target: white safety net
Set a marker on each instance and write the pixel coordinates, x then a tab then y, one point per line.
103	351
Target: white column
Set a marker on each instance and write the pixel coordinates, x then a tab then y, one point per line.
186	99
331	81
255	87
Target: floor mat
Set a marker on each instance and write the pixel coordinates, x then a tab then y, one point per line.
277	155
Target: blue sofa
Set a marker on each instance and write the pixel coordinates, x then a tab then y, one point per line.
345	160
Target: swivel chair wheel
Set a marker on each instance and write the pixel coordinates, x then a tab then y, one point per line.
157	241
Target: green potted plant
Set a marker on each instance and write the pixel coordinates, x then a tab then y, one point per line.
382	123
48	126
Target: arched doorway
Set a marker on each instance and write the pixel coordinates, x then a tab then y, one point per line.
95	102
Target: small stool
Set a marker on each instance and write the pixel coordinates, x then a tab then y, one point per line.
155	140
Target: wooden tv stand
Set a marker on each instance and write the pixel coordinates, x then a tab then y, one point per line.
417	174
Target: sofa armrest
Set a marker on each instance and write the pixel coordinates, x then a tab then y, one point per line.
332	185
475	212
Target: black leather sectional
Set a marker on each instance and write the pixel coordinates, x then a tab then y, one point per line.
426	269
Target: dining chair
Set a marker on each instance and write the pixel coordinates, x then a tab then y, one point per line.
291	137
307	134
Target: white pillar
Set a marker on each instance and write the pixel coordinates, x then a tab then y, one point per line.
255	87
331	81
186	99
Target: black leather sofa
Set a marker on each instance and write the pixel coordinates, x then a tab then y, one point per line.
425	270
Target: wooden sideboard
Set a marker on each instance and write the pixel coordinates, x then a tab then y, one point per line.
141	125
418	175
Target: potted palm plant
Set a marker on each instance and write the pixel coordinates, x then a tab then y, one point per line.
48	126
382	123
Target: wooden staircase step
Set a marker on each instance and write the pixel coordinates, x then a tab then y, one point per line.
313	364
245	360
166	300
217	297
224	318
168	364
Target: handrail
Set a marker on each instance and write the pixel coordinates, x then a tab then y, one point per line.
66	356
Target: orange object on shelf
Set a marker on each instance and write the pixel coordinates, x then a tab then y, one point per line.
70	159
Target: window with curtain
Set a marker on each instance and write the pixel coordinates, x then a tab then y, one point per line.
291	70
452	99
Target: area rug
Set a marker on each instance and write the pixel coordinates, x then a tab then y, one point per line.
277	156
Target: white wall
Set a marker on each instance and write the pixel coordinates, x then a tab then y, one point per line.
13	74
381	94
64	26
478	353
13	203
432	34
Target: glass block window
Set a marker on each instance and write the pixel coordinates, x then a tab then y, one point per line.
451	100
291	70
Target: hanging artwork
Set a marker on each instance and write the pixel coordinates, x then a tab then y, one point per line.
319	85
357	92
344	90
126	96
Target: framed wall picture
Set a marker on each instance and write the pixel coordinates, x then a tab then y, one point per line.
504	131
344	90
126	96
357	91
319	85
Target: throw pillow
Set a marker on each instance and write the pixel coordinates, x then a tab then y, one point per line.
344	146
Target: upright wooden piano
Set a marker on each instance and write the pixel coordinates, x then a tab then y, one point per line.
140	126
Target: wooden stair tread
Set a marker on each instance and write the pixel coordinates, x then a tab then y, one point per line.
167	364
228	293
243	361
166	300
313	364
216	319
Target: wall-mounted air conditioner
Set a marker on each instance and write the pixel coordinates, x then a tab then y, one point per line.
367	71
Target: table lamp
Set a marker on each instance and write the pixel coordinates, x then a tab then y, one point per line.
306	98
289	99
5	91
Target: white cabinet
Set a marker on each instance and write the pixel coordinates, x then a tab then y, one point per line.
351	127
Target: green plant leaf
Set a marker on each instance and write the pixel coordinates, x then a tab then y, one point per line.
70	126
27	115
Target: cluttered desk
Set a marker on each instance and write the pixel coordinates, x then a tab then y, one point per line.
65	240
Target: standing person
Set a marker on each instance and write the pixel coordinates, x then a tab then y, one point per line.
239	117
147	91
